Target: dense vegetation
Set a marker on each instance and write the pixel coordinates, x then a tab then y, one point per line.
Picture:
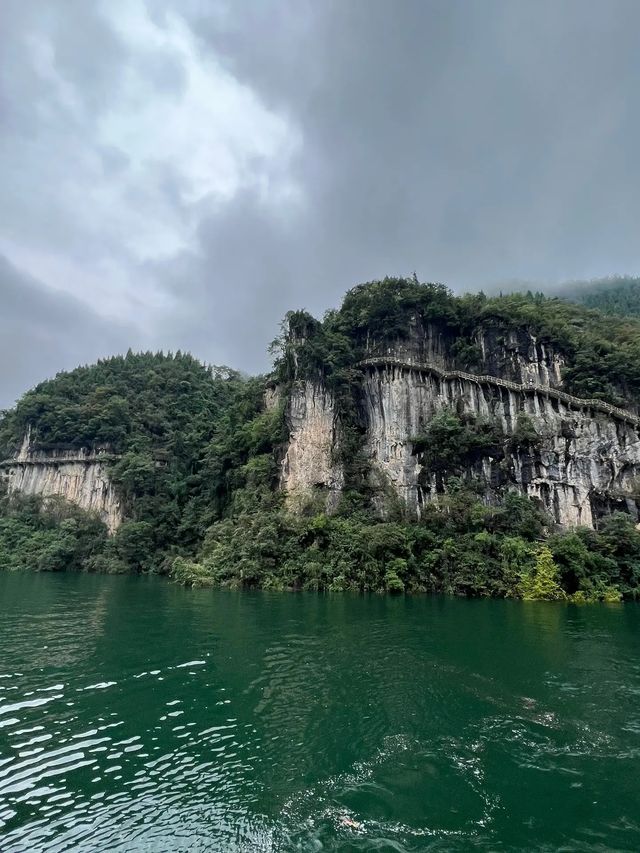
130	403
195	460
460	547
179	433
62	538
618	295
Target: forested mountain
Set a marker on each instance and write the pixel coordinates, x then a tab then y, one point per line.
196	457
618	295
177	434
602	353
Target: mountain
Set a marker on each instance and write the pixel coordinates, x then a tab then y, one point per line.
614	295
617	295
411	440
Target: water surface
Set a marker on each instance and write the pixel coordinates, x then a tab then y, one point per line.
135	715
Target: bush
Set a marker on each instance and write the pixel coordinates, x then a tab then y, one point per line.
188	573
524	435
393	576
452	443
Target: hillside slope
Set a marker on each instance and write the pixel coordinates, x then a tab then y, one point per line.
412	440
616	295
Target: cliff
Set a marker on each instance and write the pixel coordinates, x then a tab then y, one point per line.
498	350
309	465
584	462
79	476
408	441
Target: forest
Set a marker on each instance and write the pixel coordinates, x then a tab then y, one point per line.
195	458
618	295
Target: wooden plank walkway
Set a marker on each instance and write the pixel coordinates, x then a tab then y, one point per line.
482	379
58	461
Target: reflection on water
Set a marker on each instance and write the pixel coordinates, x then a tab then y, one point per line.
135	715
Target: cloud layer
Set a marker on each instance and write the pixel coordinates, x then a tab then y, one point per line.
179	174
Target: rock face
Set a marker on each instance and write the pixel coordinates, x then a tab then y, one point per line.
511	354
309	467
79	476
586	460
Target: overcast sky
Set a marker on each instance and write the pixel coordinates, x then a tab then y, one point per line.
180	173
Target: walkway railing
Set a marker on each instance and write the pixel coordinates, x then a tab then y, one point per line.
569	399
88	459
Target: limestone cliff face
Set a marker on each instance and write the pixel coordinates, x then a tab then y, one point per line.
79	476
309	467
512	354
586	460
518	356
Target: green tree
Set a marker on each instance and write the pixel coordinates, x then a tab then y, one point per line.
541	582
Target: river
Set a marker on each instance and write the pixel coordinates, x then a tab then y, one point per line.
136	715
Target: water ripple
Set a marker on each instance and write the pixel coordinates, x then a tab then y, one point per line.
169	720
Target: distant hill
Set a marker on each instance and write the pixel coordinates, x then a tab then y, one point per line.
617	295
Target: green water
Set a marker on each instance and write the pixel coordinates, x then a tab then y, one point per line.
135	715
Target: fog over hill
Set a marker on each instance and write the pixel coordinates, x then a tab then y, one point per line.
616	294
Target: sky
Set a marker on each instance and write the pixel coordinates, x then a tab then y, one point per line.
178	174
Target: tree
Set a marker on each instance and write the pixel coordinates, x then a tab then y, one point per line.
541	583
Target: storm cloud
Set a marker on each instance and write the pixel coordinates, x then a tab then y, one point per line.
179	174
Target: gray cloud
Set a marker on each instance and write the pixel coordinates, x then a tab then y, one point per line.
198	169
42	332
